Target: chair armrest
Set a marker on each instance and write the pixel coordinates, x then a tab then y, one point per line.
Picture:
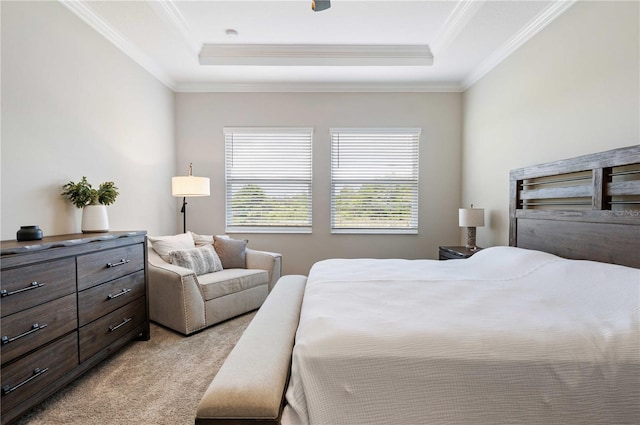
157	261
182	272
175	297
264	260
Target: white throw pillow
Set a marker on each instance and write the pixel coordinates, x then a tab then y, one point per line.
201	240
201	260
163	245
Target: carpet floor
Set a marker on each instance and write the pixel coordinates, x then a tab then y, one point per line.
158	382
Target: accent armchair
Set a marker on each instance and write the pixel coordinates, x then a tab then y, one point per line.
185	302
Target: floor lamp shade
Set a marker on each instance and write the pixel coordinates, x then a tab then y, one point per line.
188	186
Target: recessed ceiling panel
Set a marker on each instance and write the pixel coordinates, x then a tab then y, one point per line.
170	35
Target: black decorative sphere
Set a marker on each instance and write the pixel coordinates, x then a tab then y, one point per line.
29	233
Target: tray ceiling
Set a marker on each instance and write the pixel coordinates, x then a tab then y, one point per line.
465	38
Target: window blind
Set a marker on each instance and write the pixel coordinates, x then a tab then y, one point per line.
268	179
374	180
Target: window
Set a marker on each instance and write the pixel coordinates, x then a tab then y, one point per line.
268	179
374	180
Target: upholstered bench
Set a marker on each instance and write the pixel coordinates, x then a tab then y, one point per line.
249	388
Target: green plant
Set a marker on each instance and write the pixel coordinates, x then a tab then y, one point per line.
82	194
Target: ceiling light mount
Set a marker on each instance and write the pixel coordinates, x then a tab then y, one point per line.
320	5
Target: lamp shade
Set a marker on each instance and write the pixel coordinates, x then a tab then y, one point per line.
190	186
471	217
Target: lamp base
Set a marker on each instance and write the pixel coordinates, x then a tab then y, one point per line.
471	238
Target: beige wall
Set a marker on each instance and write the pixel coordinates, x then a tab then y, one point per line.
573	89
200	119
74	105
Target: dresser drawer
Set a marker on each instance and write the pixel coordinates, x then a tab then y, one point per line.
104	266
29	375
102	299
104	331
28	329
28	286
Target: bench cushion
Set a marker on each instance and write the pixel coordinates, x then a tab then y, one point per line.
251	383
229	281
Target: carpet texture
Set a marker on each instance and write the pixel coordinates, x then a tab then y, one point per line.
159	381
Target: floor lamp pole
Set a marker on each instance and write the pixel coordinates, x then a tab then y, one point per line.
184	214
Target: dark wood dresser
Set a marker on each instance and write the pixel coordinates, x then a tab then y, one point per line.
67	302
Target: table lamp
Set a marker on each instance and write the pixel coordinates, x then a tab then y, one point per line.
471	218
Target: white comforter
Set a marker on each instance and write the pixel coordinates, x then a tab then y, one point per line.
508	336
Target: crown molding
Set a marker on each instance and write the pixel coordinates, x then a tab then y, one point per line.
169	12
316	88
455	23
82	9
543	19
315	55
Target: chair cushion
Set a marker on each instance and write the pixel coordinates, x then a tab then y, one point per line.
229	281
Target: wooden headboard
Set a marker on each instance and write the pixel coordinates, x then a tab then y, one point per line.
585	208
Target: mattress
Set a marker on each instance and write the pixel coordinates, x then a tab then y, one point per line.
509	336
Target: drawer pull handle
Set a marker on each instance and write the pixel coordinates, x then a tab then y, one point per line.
119	263
124	322
34	285
119	294
34	328
6	389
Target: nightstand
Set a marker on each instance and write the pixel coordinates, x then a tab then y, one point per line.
456	252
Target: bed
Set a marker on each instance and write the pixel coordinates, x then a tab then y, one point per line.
544	331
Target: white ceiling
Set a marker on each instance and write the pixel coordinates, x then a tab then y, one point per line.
467	38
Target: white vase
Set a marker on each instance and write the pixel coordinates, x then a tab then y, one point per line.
95	219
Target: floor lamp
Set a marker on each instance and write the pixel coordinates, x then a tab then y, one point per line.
471	218
188	186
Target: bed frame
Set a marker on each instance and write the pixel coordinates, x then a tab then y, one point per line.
585	208
582	208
